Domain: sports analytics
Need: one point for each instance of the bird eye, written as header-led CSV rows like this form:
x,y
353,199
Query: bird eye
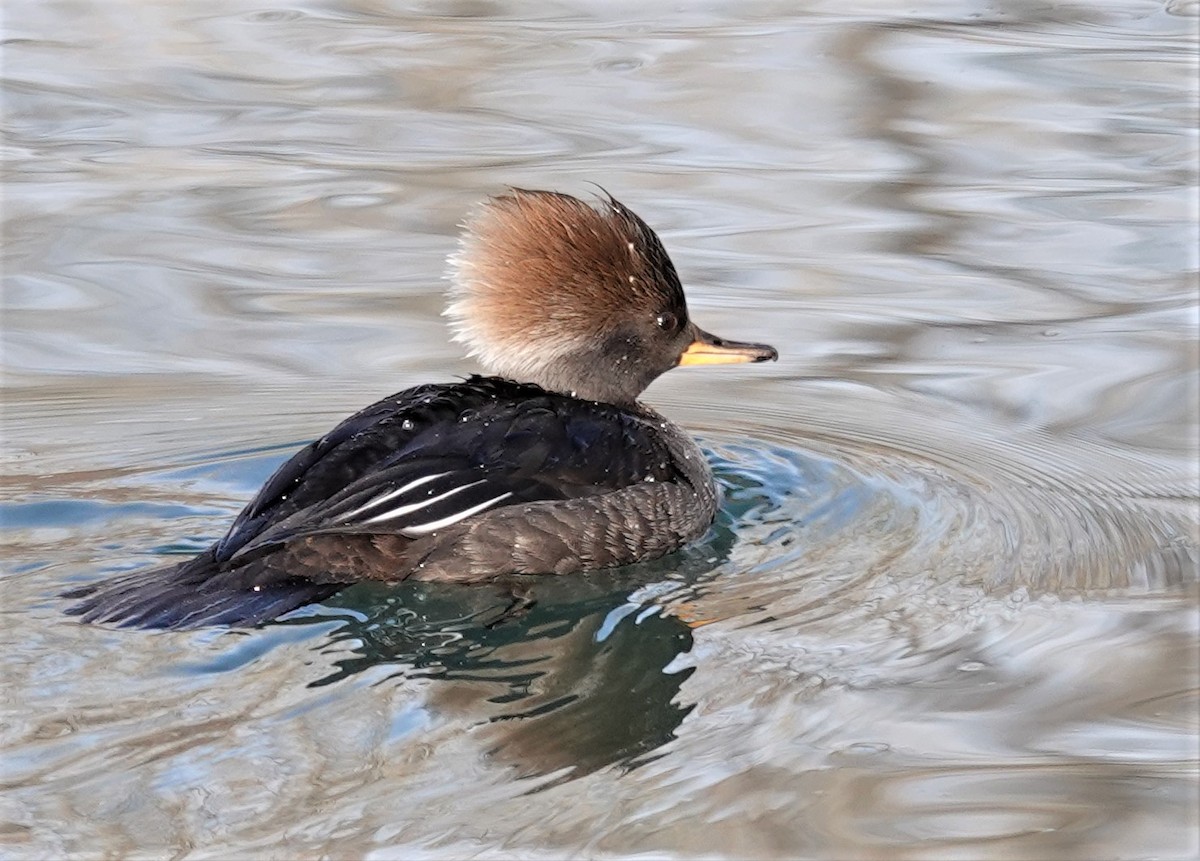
x,y
667,321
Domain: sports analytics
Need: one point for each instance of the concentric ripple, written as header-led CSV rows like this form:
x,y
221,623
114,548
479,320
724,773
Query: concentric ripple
x,y
913,527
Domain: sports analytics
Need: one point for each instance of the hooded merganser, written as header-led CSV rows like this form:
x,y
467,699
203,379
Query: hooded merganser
x,y
550,466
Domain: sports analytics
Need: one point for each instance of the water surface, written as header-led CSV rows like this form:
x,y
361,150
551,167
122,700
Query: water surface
x,y
949,608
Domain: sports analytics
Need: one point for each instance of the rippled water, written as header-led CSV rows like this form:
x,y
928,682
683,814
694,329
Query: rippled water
x,y
949,608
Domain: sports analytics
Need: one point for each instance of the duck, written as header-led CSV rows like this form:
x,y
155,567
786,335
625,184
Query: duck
x,y
549,464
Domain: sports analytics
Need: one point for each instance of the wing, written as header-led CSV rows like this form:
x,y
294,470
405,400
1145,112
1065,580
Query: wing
x,y
430,457
330,462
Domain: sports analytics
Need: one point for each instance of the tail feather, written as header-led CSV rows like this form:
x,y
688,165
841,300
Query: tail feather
x,y
193,594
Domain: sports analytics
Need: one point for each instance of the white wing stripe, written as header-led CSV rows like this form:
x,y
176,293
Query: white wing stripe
x,y
392,494
419,504
434,526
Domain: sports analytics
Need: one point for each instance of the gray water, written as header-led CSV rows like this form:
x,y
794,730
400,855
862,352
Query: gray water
x,y
949,609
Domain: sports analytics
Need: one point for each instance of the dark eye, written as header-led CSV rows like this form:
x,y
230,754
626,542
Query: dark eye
x,y
667,321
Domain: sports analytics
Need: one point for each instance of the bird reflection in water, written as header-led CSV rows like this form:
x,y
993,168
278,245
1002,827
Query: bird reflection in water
x,y
571,677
